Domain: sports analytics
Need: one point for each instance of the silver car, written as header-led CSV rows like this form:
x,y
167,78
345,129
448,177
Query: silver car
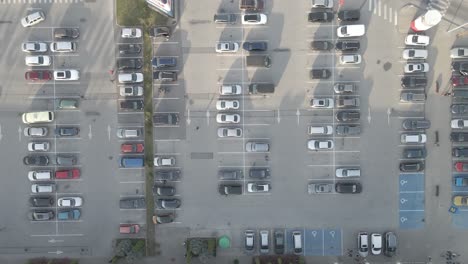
x,y
257,147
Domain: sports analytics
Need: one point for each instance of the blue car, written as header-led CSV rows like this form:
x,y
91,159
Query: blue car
x,y
461,181
69,214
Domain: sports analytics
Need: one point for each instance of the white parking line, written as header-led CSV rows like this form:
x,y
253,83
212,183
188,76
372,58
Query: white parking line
x,y
166,98
132,182
162,42
321,165
257,124
166,153
164,126
167,140
61,235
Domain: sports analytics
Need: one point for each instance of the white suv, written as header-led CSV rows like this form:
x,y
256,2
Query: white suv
x,y
230,89
164,161
33,19
350,59
254,19
417,40
66,75
348,172
37,60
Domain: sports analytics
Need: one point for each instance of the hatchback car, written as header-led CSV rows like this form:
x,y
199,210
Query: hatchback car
x,y
34,46
321,103
415,124
254,19
66,75
254,146
408,166
344,88
417,40
258,187
416,67
38,76
168,203
129,64
42,215
319,188
376,242
38,146
132,148
228,118
35,131
350,59
134,77
249,240
459,53
34,160
320,144
131,91
229,132
70,201
347,116
232,89
255,46
164,190
223,47
414,153
63,131
348,45
348,187
414,54
66,160
43,188
131,33
67,174
459,123
164,161
33,19
461,166
129,228
37,61
227,104
460,152
259,173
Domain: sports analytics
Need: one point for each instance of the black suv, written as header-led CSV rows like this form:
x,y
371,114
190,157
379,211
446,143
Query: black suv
x,y
66,33
320,16
348,45
459,137
460,66
349,15
348,187
166,119
321,45
67,131
131,105
129,64
255,46
320,74
413,82
259,173
411,166
41,201
348,116
129,48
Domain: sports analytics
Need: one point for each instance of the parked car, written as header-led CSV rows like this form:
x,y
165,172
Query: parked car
x,y
415,54
167,175
35,131
259,173
160,32
411,166
132,148
38,146
348,130
319,188
460,200
231,174
254,19
249,240
409,97
460,152
413,82
70,202
131,105
255,46
351,31
129,64
363,244
131,90
320,74
350,59
160,119
63,46
168,203
68,103
459,137
320,16
229,132
459,123
133,77
346,101
344,88
66,160
461,166
320,130
458,80
347,172
129,132
41,201
348,45
40,175
321,103
232,89
223,47
66,131
417,40
131,33
264,241
255,146
348,187
230,189
322,3
228,118
164,190
414,153
227,105
66,75
132,203
42,215
390,244
43,188
320,144
258,187
163,218
164,161
413,138
36,160
460,181
164,62
416,67
349,15
38,76
459,53
376,241
321,45
279,241
35,46
69,214
415,124
67,174
165,76
37,60
129,228
348,116
66,33
129,49
33,19
225,18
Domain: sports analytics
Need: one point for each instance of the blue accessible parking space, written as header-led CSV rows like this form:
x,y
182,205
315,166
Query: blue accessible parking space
x,y
412,201
314,245
317,242
460,219
412,219
461,179
411,182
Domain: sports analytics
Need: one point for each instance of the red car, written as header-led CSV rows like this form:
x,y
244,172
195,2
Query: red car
x,y
129,228
68,174
461,166
459,80
132,148
38,75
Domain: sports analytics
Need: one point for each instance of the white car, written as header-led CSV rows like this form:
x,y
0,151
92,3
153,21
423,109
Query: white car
x,y
35,131
160,161
228,118
413,138
33,19
66,75
376,241
253,187
229,132
63,46
34,47
227,104
347,172
42,188
322,3
38,146
350,59
314,144
322,103
459,53
131,33
254,19
459,123
134,77
417,40
414,54
222,47
131,91
70,202
37,60
230,89
416,67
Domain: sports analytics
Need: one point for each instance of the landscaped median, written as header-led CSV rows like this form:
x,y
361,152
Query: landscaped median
x,y
136,13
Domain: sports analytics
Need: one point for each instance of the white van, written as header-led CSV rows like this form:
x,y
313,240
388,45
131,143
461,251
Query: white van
x,y
42,188
348,172
320,130
264,243
351,31
363,244
297,242
40,175
38,117
63,46
376,240
33,18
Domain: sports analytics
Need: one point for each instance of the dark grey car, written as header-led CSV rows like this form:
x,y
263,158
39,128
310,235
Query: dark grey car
x,y
164,190
255,46
459,136
36,160
414,153
390,244
348,116
320,74
349,15
66,160
41,201
163,218
348,45
414,124
167,175
320,16
259,173
460,152
321,45
168,203
225,18
165,76
348,187
348,130
279,241
42,215
129,64
459,108
165,119
66,33
164,62
67,131
231,174
132,203
129,48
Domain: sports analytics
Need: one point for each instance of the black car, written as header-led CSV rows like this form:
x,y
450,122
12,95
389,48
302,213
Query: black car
x,y
168,203
167,175
459,108
320,74
348,45
348,130
348,187
67,131
255,46
163,218
411,166
164,190
229,189
165,119
165,76
164,62
279,241
160,32
132,203
414,124
36,160
131,105
349,15
414,153
66,33
348,116
390,244
259,173
460,152
460,66
129,64
129,48
41,201
231,174
321,45
459,137
320,16
413,82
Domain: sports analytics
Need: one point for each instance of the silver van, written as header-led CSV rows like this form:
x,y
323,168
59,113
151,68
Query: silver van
x,y
63,46
297,242
363,244
40,175
320,130
128,133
